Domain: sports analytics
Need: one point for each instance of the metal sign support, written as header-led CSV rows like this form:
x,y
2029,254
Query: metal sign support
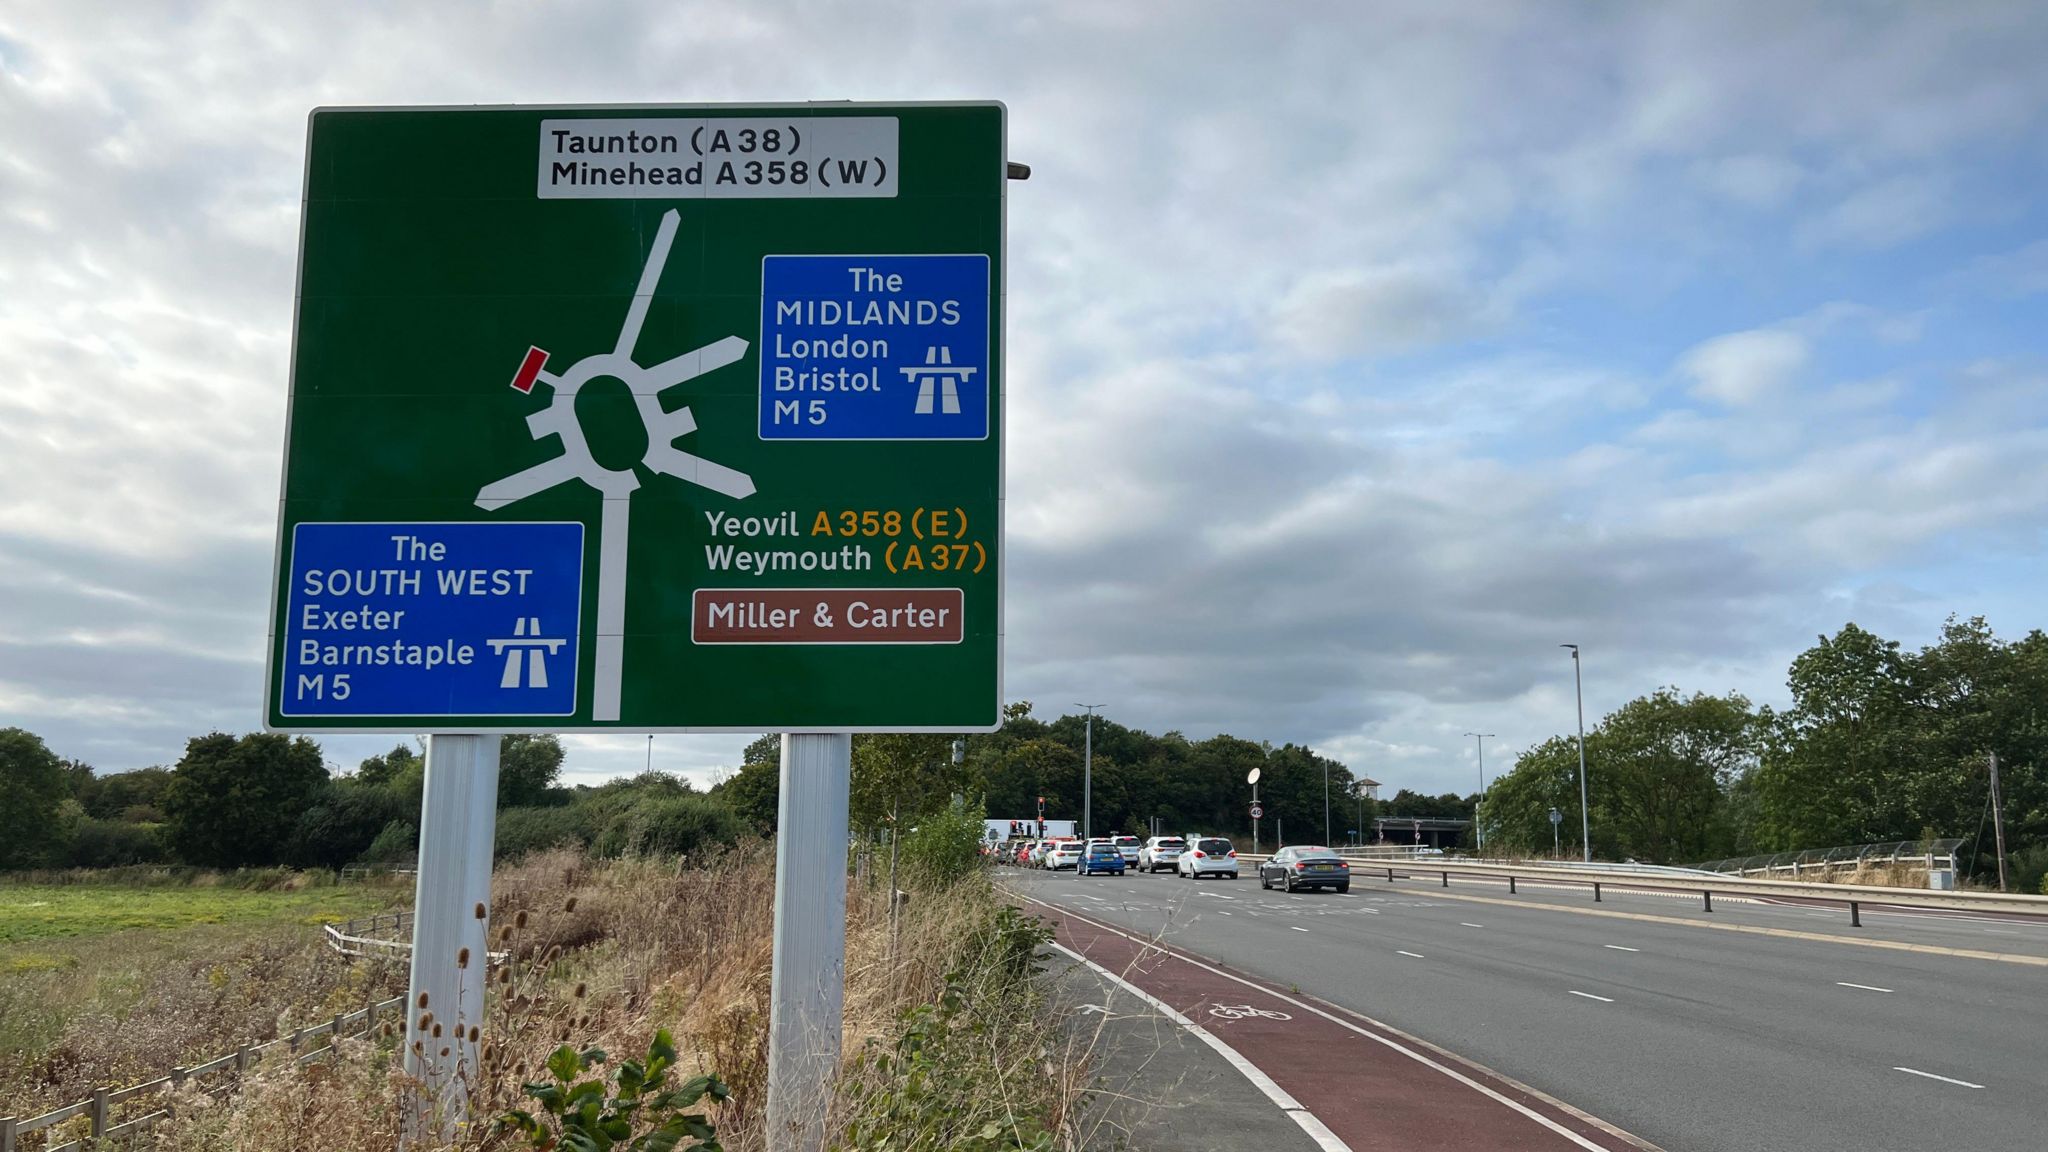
x,y
458,823
807,984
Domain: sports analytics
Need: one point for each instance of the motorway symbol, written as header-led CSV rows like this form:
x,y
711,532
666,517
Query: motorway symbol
x,y
1245,1012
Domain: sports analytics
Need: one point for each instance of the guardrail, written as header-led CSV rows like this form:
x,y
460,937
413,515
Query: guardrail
x,y
1853,897
347,938
100,1107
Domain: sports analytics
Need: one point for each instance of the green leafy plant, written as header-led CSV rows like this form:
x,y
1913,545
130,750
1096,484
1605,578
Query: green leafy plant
x,y
636,1112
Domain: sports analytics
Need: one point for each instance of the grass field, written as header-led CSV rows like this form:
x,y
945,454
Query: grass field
x,y
43,914
107,982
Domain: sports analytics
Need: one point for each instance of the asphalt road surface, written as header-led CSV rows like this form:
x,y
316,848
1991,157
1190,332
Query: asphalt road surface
x,y
1751,1027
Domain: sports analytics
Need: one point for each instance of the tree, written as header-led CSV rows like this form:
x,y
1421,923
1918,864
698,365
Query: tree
x,y
527,769
1666,764
754,794
910,773
32,785
389,766
235,802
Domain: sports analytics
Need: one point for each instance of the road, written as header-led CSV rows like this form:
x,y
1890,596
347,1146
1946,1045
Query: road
x,y
1647,1011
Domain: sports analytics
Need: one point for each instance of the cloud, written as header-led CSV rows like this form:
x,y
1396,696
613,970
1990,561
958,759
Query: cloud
x,y
1334,343
1742,368
1882,215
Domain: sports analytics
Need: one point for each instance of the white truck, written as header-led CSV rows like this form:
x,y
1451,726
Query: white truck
x,y
997,831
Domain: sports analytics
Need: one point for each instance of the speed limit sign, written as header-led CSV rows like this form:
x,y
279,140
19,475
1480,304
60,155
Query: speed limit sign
x,y
1258,810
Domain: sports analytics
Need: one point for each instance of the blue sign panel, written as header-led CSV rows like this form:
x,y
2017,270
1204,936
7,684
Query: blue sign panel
x,y
874,347
432,620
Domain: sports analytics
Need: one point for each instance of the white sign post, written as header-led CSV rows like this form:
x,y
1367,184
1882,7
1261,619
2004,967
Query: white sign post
x,y
807,984
450,941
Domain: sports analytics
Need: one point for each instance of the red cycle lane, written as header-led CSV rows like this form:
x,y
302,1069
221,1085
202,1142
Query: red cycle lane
x,y
1373,1087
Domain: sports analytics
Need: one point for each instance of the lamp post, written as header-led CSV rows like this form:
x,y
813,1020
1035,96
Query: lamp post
x,y
1088,777
650,751
1479,830
1585,819
1326,802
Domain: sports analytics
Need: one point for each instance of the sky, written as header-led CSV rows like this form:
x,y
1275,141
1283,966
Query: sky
x,y
1359,354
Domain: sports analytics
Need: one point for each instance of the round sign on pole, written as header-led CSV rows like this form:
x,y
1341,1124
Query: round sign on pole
x,y
1556,817
1252,777
1258,810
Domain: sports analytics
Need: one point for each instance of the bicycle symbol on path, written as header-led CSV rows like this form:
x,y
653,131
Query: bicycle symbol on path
x,y
1244,1012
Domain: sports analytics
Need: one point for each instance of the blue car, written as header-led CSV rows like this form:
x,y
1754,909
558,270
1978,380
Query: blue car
x,y
1102,856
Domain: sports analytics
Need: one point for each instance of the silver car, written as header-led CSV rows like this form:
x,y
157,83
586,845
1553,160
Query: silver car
x,y
1208,856
1161,852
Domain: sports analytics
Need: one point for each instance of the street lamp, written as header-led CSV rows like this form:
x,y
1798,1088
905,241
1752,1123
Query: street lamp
x,y
1088,776
1585,819
1326,801
1478,831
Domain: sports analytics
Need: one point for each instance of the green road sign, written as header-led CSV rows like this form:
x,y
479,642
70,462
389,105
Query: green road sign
x,y
653,418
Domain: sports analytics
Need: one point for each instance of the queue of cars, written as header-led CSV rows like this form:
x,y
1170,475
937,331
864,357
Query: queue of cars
x,y
1190,856
1295,868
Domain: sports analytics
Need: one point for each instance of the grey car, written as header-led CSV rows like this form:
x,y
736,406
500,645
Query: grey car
x,y
1305,866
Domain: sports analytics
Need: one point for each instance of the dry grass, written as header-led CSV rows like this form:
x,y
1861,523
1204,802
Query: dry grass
x,y
92,1008
609,951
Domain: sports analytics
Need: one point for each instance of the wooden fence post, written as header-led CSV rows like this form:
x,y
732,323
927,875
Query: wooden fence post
x,y
99,1113
334,1041
7,1133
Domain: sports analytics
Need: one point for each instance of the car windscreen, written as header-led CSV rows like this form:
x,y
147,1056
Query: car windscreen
x,y
1214,847
1315,854
1102,850
1176,845
1127,841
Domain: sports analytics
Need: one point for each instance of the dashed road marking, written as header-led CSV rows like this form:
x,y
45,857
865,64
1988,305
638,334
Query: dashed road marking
x,y
1865,987
1294,928
1932,1076
1469,924
1590,996
1417,955
1621,948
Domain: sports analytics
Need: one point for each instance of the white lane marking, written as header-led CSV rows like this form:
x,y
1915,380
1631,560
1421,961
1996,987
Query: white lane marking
x,y
1932,1076
1865,987
1589,996
1316,1129
1403,1049
1374,911
1621,948
1215,895
1092,896
1221,912
1292,928
1417,955
1465,924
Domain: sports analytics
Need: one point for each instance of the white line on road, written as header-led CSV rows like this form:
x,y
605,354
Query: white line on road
x,y
1385,1042
1621,948
1293,928
1589,996
1221,912
1865,987
1417,955
1215,895
1316,1129
1932,1076
1465,924
1374,911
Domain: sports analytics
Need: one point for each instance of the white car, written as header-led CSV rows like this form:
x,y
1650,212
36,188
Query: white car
x,y
1208,856
1161,852
1128,847
1065,854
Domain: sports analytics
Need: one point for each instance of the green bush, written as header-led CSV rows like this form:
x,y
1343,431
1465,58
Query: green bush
x,y
638,1112
673,823
524,830
113,844
944,846
398,843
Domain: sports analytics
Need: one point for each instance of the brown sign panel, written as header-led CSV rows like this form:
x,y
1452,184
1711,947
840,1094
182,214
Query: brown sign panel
x,y
827,616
